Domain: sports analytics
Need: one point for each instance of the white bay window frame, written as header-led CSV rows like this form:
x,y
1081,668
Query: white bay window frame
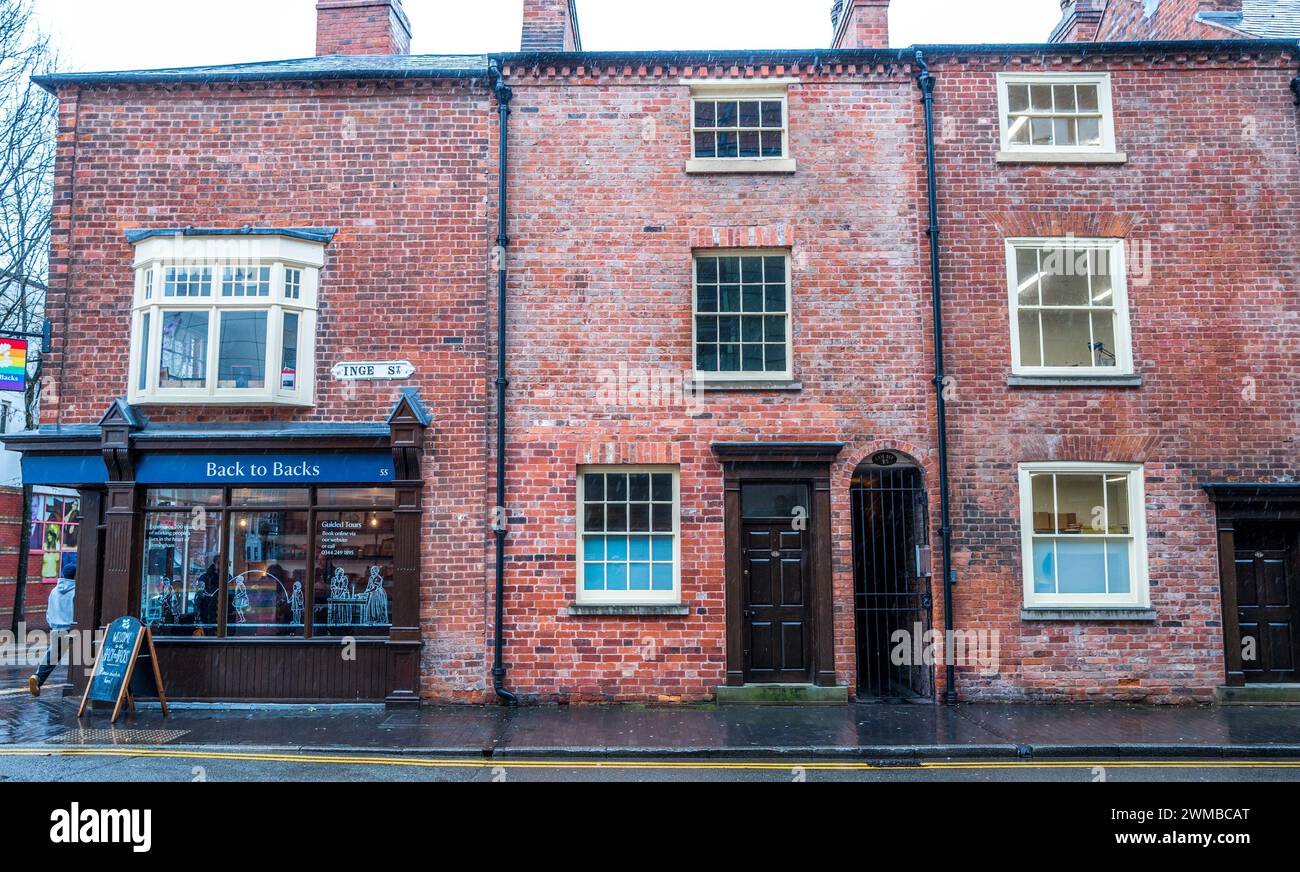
x,y
155,255
1138,595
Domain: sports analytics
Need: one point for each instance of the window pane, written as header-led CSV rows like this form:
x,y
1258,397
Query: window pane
x,y
242,354
774,358
184,357
778,500
1117,520
1018,98
1018,130
183,497
1040,131
728,358
728,270
289,353
616,517
706,270
354,574
707,298
594,576
1117,566
661,518
773,114
1030,349
749,113
593,486
1090,131
727,114
774,298
616,576
751,329
706,145
751,298
1040,97
729,328
593,517
774,269
1103,339
266,574
1044,502
1027,276
355,496
1064,277
180,581
1044,567
774,328
729,298
1087,97
706,358
1065,132
1079,502
661,487
705,113
144,352
1063,98
293,284
706,328
1082,566
728,145
638,487
615,487
1099,265
1066,338
270,496
751,358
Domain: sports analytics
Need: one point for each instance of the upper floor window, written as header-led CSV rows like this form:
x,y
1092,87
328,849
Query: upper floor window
x,y
742,315
1069,307
1083,534
225,322
740,126
1056,113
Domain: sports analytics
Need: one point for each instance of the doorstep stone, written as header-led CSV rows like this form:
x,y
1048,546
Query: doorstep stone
x,y
782,694
1258,694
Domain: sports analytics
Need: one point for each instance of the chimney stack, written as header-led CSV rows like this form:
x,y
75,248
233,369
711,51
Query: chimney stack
x,y
362,27
551,25
860,23
1080,22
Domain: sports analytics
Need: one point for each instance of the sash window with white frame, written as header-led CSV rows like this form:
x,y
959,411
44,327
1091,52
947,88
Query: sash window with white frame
x,y
1083,534
1069,307
740,125
1056,113
628,535
225,320
742,320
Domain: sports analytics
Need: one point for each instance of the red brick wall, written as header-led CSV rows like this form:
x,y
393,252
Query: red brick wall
x,y
548,25
403,170
603,223
1173,19
1205,202
362,27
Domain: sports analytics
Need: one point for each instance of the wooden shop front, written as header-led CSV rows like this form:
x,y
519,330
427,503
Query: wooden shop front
x,y
277,563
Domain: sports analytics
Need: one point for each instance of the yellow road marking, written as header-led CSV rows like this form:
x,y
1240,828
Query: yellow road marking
x,y
474,763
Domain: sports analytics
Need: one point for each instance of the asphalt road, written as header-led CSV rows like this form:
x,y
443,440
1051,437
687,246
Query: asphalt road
x,y
182,765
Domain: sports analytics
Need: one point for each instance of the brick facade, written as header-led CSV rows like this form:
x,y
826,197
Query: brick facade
x,y
1124,20
603,221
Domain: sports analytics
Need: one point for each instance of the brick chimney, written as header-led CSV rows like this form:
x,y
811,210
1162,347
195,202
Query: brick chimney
x,y
1080,21
860,23
551,25
362,27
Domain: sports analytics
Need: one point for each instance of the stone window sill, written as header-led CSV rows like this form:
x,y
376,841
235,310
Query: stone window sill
x,y
1063,157
705,165
743,385
630,611
1088,614
1074,381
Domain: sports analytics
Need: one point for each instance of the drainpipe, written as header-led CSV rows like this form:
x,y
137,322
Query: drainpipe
x,y
925,82
503,95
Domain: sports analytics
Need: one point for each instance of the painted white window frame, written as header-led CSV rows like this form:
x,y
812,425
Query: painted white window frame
x,y
1119,284
1139,588
742,89
1105,107
700,375
628,597
154,255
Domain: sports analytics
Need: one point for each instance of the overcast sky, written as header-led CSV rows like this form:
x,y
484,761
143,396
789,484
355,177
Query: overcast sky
x,y
135,34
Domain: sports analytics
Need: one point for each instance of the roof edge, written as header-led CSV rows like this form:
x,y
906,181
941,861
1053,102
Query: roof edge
x,y
323,235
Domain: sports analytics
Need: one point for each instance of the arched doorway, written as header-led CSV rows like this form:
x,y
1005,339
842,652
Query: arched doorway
x,y
891,574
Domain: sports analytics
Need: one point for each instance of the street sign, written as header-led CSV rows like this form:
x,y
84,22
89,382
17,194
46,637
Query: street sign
x,y
376,369
13,364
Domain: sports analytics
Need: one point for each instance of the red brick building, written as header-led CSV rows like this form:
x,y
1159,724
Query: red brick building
x,y
723,465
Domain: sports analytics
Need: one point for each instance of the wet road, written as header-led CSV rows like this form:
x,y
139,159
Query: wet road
x,y
123,765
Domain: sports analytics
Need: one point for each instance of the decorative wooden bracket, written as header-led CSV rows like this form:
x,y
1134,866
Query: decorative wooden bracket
x,y
407,423
116,427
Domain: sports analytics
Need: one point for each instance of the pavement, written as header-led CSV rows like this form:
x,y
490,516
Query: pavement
x,y
880,732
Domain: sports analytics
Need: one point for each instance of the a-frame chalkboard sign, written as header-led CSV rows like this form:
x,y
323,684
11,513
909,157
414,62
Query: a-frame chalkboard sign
x,y
114,679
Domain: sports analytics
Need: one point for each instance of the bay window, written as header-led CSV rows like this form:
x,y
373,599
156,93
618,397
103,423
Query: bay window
x,y
225,324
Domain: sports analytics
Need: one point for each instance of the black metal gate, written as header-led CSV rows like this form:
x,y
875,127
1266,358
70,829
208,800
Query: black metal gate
x,y
891,580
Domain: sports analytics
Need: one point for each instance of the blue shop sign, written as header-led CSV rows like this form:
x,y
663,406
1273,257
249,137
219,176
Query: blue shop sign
x,y
367,467
374,467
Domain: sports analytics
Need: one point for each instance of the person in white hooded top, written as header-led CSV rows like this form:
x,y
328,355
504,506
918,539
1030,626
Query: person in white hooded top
x,y
58,613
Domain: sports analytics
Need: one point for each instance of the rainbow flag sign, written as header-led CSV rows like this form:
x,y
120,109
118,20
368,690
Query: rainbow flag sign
x,y
13,364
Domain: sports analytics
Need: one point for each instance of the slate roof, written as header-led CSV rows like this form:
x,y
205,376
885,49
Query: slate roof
x,y
1264,19
328,67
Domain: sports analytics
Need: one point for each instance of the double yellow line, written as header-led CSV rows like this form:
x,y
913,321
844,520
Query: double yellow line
x,y
475,763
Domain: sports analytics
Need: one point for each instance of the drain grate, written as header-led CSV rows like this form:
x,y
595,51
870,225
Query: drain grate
x,y
118,737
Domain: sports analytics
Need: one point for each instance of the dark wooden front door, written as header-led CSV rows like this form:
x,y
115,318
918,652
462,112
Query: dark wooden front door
x,y
1268,609
777,624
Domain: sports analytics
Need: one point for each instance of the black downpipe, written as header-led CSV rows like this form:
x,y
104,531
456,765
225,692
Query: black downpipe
x,y
925,82
499,514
